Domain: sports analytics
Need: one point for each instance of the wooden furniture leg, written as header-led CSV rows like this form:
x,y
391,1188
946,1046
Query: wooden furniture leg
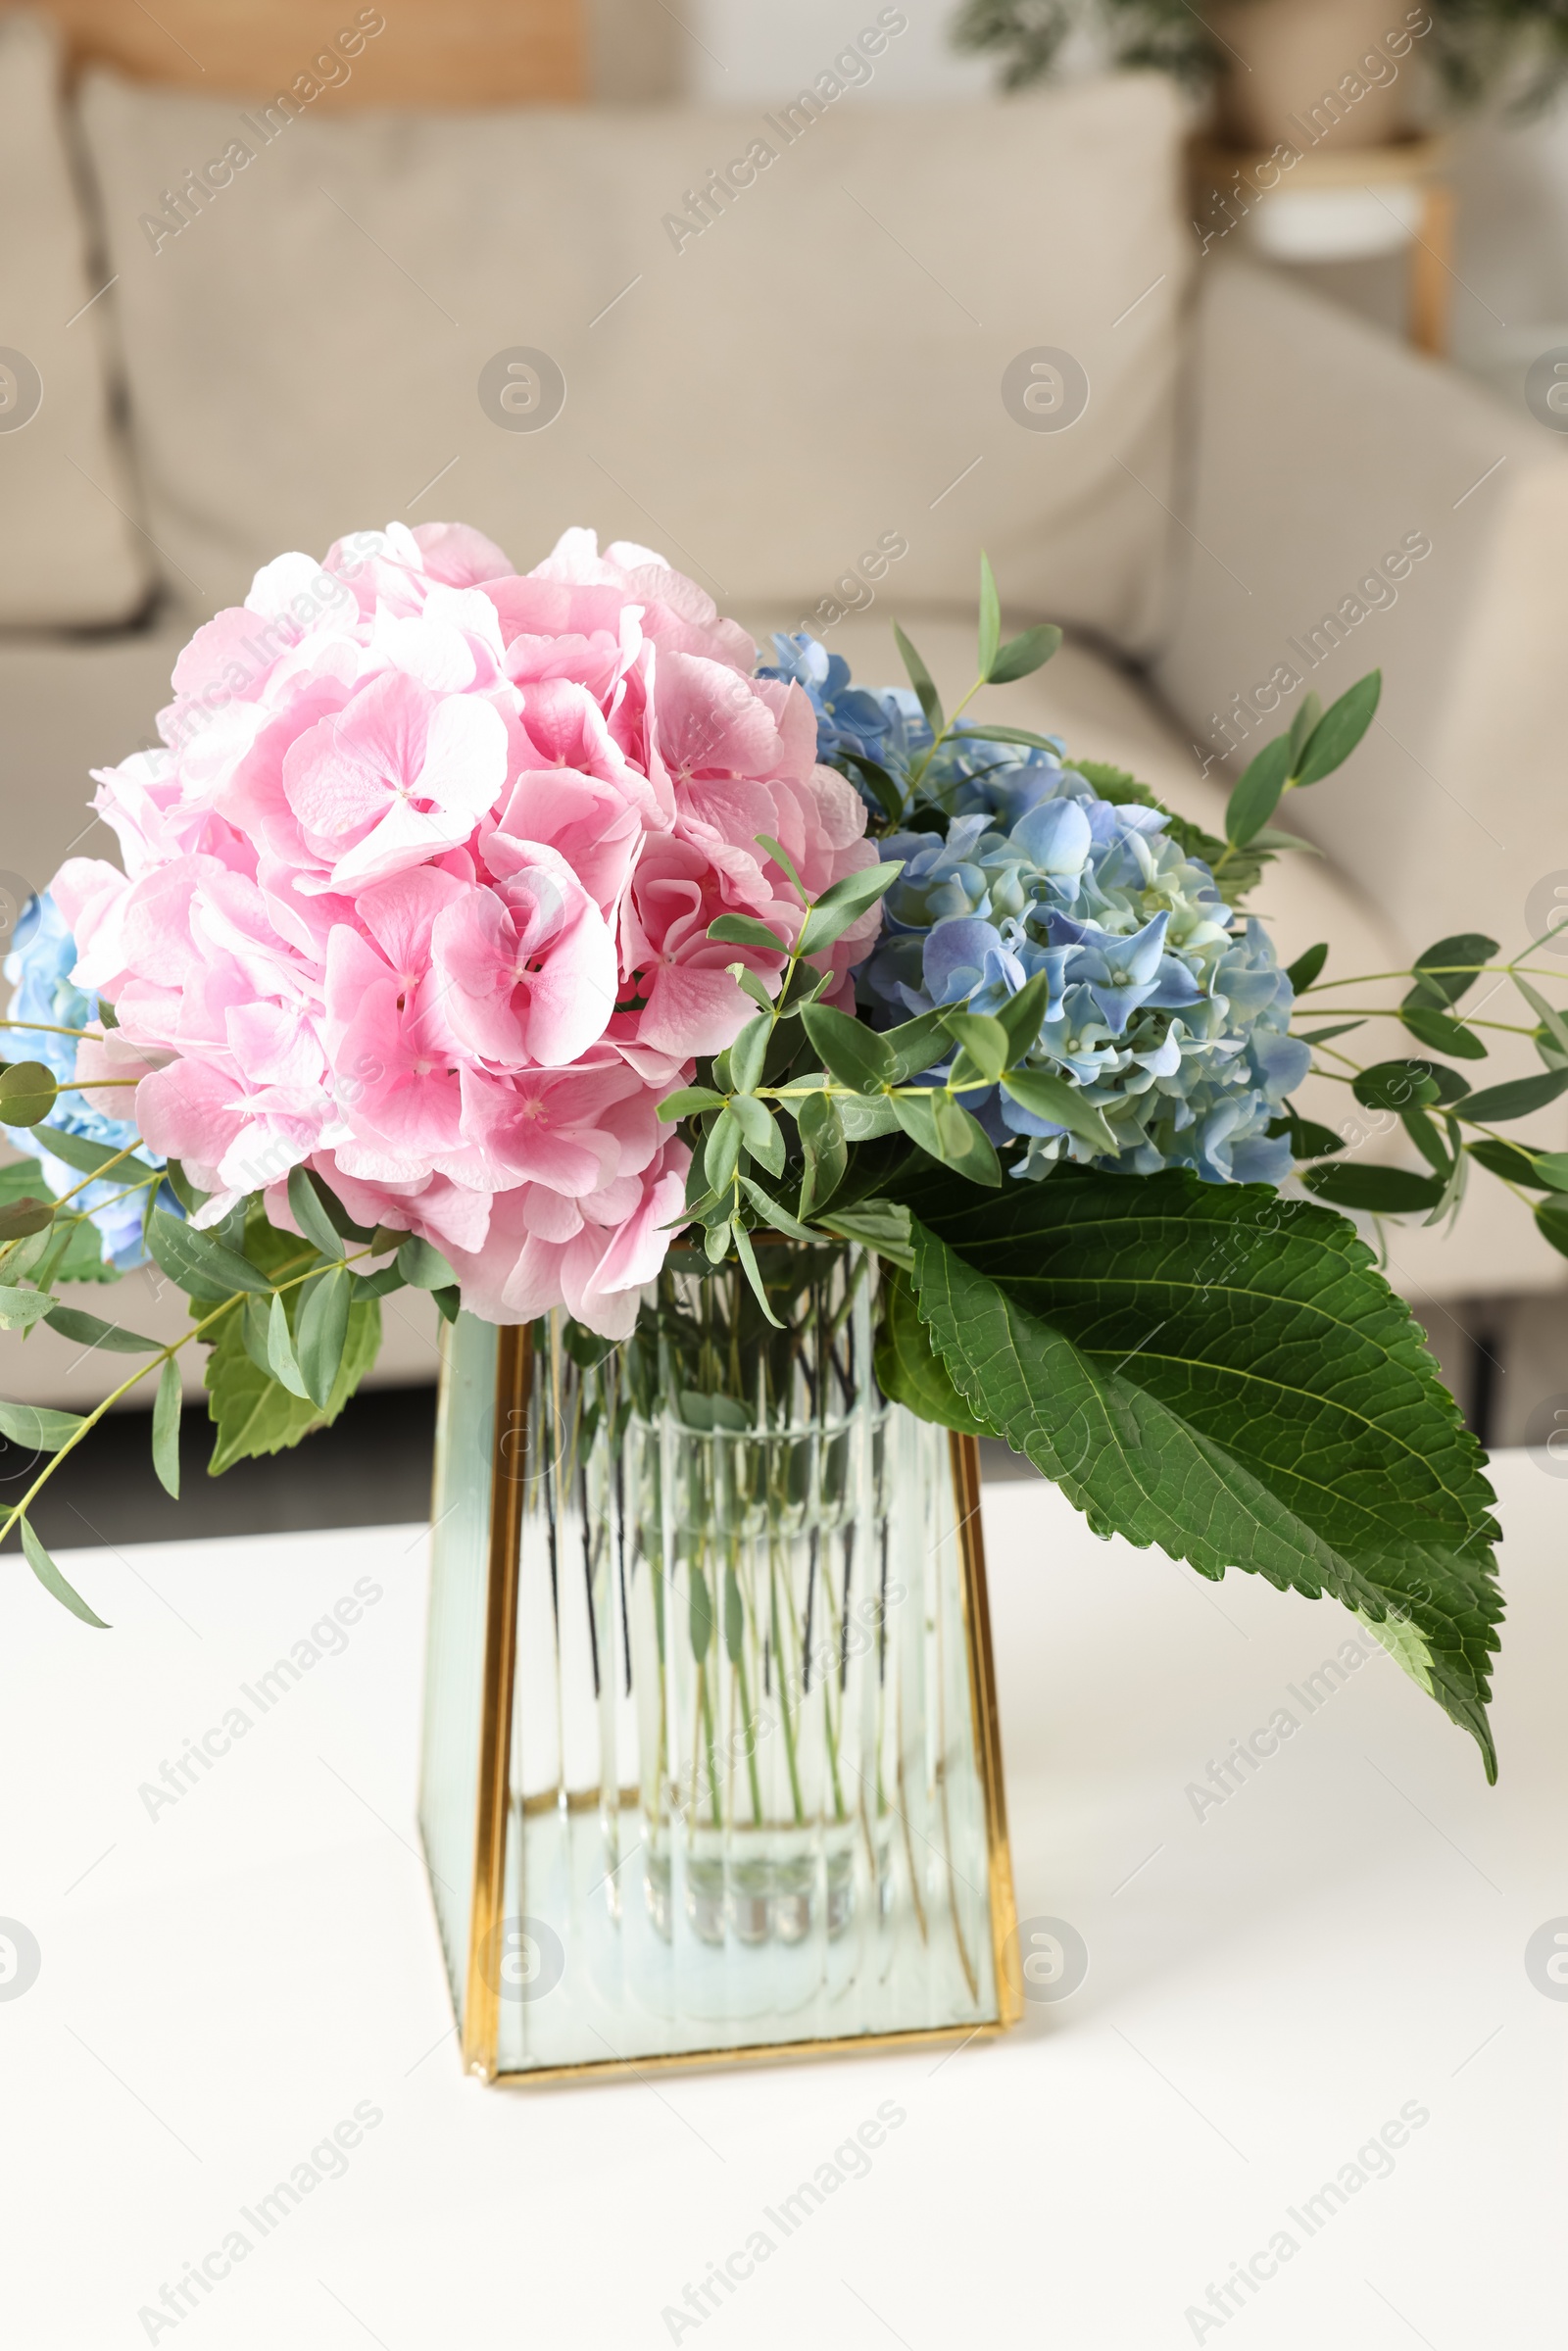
x,y
1431,272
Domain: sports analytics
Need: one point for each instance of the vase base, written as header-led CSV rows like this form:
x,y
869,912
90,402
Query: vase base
x,y
612,1949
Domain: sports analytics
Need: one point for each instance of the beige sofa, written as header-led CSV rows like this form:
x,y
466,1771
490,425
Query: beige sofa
x,y
788,347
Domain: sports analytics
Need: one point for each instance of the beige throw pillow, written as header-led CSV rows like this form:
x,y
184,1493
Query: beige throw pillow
x,y
785,345
72,556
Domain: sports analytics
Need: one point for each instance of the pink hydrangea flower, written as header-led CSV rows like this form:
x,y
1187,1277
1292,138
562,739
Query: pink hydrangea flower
x,y
416,894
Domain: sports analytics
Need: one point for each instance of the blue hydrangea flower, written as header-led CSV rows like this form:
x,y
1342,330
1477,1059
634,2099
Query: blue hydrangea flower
x,y
40,968
1168,1014
887,727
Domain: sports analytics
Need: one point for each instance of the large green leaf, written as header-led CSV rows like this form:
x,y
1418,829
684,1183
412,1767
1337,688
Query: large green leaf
x,y
251,1412
910,1373
1225,1374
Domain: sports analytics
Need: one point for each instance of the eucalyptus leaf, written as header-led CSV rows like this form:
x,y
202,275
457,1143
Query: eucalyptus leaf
x,y
20,1309
921,680
1310,1140
823,1149
744,930
747,980
866,1117
85,1330
1395,1085
1381,1190
1340,729
53,1582
985,1041
845,903
786,866
1436,1029
1428,1142
199,1265
1305,969
760,1131
1022,1014
1025,653
252,1326
322,1329
687,1101
1308,712
722,1151
1543,1171
37,1428
1340,1028
965,1145
716,1241
379,1284
776,1214
1275,839
251,1412
28,1091
1551,1219
1552,1021
734,1618
990,632
1517,1099
882,1225
279,1357
855,1054
422,1265
82,1153
1045,1096
23,1257
747,1054
889,797
1258,794
748,1258
699,1615
165,1428
20,1217
969,731
917,1046
1448,969
917,1115
309,1215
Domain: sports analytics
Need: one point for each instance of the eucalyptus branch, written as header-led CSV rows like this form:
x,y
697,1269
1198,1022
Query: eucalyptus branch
x,y
948,728
48,1028
1365,979
1462,1020
155,1362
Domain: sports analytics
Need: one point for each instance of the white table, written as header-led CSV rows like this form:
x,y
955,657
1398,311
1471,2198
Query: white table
x,y
227,1978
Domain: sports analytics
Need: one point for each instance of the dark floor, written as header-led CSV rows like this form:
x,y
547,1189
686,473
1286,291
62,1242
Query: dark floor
x,y
372,1468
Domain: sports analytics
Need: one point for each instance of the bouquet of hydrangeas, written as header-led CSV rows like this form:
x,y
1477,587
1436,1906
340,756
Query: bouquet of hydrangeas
x,y
485,932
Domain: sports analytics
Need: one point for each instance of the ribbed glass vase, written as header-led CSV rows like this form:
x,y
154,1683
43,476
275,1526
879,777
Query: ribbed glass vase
x,y
710,1755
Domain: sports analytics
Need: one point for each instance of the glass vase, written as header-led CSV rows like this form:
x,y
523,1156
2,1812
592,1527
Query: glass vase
x,y
711,1758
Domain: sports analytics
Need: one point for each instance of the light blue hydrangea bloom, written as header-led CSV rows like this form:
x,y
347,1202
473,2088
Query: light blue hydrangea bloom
x,y
1170,1014
38,970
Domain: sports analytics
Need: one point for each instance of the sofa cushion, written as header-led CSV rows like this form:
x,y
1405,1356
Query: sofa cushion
x,y
320,334
73,557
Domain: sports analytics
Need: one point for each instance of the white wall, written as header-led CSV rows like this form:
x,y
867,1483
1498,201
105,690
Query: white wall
x,y
1510,298
768,49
